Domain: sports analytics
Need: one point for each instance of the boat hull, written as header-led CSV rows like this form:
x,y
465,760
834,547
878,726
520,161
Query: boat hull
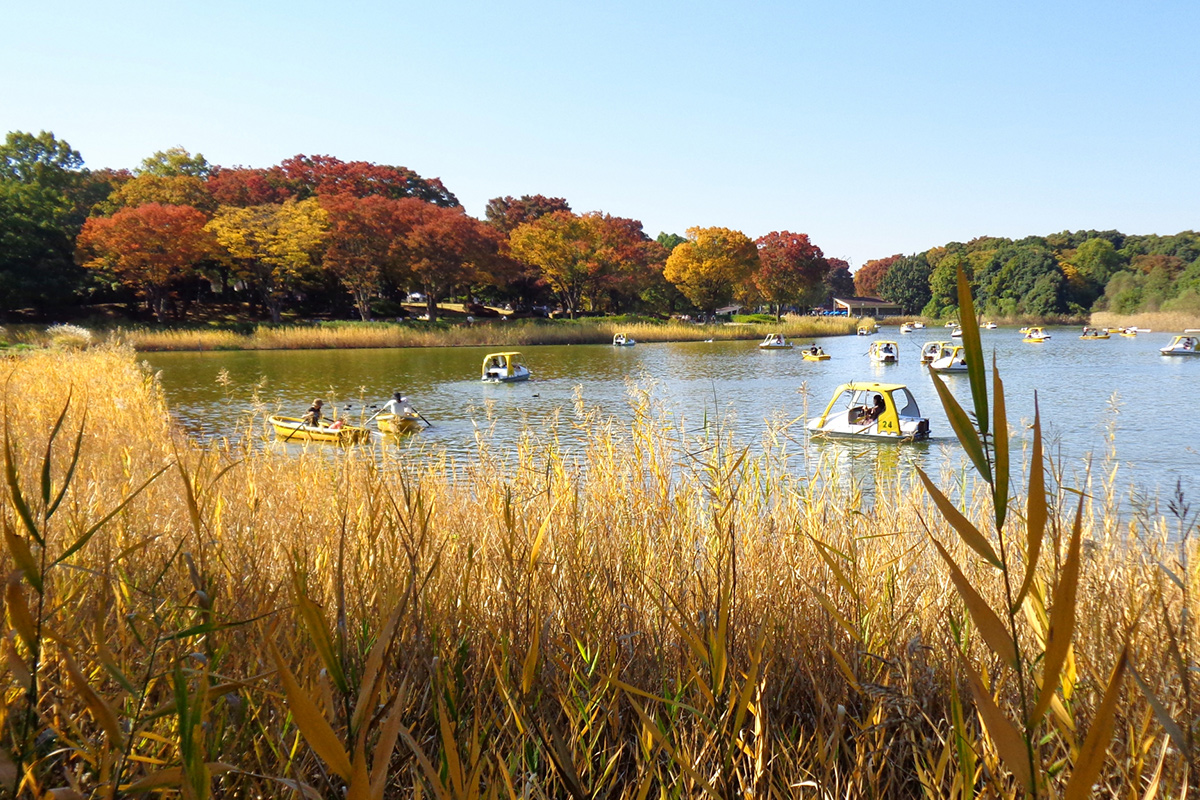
x,y
293,429
820,357
397,424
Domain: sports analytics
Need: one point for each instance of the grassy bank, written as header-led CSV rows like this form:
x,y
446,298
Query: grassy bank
x,y
1157,321
494,333
662,614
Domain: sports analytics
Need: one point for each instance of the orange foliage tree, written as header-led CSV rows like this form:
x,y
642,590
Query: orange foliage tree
x,y
870,274
148,248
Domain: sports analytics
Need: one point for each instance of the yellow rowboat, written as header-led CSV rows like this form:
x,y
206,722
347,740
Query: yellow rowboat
x,y
815,353
399,424
1094,333
293,429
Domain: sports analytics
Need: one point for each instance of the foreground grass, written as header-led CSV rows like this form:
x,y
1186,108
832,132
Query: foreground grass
x,y
666,614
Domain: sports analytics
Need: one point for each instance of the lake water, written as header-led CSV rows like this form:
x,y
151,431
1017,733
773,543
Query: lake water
x,y
1086,389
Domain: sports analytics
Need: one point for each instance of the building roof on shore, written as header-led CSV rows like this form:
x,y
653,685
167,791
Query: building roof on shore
x,y
865,301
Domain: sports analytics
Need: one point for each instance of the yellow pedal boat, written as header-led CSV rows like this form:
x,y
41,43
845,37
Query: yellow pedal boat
x,y
293,429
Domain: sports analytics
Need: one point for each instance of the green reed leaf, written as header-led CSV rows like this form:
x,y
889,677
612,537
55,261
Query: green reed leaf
x,y
999,446
972,350
965,432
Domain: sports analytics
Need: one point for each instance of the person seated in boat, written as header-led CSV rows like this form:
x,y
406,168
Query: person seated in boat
x,y
313,415
872,413
398,406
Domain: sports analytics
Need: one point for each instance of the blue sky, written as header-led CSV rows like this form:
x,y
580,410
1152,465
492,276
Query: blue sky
x,y
874,127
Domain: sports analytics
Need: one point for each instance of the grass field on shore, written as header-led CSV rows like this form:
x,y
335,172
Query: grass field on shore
x,y
664,611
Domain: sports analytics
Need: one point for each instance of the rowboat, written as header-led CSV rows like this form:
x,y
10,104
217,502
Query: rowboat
x,y
774,341
621,340
398,424
884,352
879,411
294,429
1094,333
504,368
815,353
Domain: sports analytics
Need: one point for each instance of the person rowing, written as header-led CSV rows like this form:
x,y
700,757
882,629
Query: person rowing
x,y
313,415
398,406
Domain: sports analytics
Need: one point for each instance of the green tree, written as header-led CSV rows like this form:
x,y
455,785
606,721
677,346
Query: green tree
x,y
38,220
174,162
907,283
711,265
40,160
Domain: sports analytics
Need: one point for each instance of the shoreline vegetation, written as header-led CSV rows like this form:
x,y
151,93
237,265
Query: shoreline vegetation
x,y
664,610
494,333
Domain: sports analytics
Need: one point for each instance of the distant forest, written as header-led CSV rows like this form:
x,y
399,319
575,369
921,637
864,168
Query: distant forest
x,y
1062,273
180,238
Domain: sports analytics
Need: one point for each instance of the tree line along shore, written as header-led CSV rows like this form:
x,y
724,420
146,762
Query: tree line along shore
x,y
179,241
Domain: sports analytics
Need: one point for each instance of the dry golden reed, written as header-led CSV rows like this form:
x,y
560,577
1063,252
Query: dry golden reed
x,y
664,613
495,333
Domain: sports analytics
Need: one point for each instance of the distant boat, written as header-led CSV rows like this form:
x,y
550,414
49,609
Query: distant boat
x,y
1035,335
951,359
884,352
1182,346
504,368
621,340
775,341
931,351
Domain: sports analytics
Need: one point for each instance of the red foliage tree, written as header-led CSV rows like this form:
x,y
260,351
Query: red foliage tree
x,y
326,175
148,248
869,275
245,187
791,271
363,236
506,213
440,248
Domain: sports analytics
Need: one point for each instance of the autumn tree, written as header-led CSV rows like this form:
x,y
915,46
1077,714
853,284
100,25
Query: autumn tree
x,y
507,213
576,255
791,269
440,248
175,162
149,248
326,175
838,280
167,190
868,276
364,233
711,265
244,186
273,247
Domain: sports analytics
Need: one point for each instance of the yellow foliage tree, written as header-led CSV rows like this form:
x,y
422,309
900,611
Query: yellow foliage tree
x,y
167,190
710,266
272,246
568,250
